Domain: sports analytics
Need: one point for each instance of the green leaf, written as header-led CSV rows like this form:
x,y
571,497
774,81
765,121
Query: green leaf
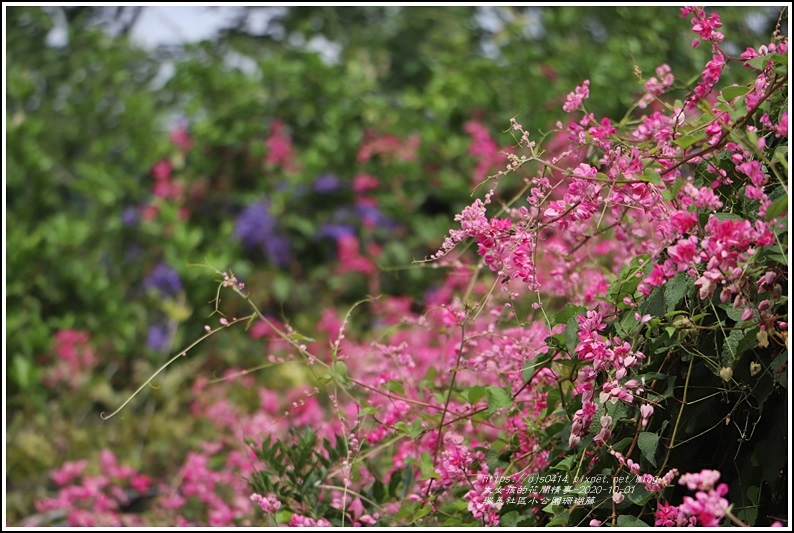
x,y
675,289
730,347
571,334
627,280
416,429
494,460
509,519
559,520
648,442
777,208
22,372
281,287
298,337
639,496
752,494
394,386
625,520
778,258
688,140
427,468
565,465
556,341
781,155
339,372
748,515
407,510
779,367
567,313
761,61
498,398
378,491
474,394
529,371
729,93
651,176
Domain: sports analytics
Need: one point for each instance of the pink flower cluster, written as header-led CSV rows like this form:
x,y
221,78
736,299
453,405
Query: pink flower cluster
x,y
707,508
484,149
574,100
388,147
350,258
704,26
611,358
219,493
781,128
180,137
164,187
279,147
482,503
268,504
657,85
75,358
98,500
725,249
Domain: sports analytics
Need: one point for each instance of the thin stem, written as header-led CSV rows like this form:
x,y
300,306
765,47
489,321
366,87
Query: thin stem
x,y
680,413
446,403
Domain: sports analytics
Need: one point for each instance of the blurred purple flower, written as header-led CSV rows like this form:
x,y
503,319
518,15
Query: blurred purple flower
x,y
326,184
129,217
164,279
278,249
373,217
255,225
159,338
256,228
335,231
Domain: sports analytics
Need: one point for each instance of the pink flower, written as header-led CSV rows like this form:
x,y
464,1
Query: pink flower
x,y
180,137
752,169
682,221
279,147
685,253
305,521
364,182
575,99
269,504
705,27
668,515
484,148
656,85
69,471
161,170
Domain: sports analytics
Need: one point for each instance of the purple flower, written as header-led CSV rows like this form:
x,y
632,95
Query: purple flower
x,y
326,184
256,228
335,231
278,249
159,338
255,225
129,217
164,280
373,217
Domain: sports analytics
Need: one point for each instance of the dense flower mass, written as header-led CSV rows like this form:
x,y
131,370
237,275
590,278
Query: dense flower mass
x,y
611,314
707,508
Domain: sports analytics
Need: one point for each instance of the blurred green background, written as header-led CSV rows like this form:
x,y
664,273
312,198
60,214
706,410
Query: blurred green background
x,y
126,164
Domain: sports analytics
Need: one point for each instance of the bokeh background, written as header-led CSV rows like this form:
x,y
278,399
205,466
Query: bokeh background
x,y
317,152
